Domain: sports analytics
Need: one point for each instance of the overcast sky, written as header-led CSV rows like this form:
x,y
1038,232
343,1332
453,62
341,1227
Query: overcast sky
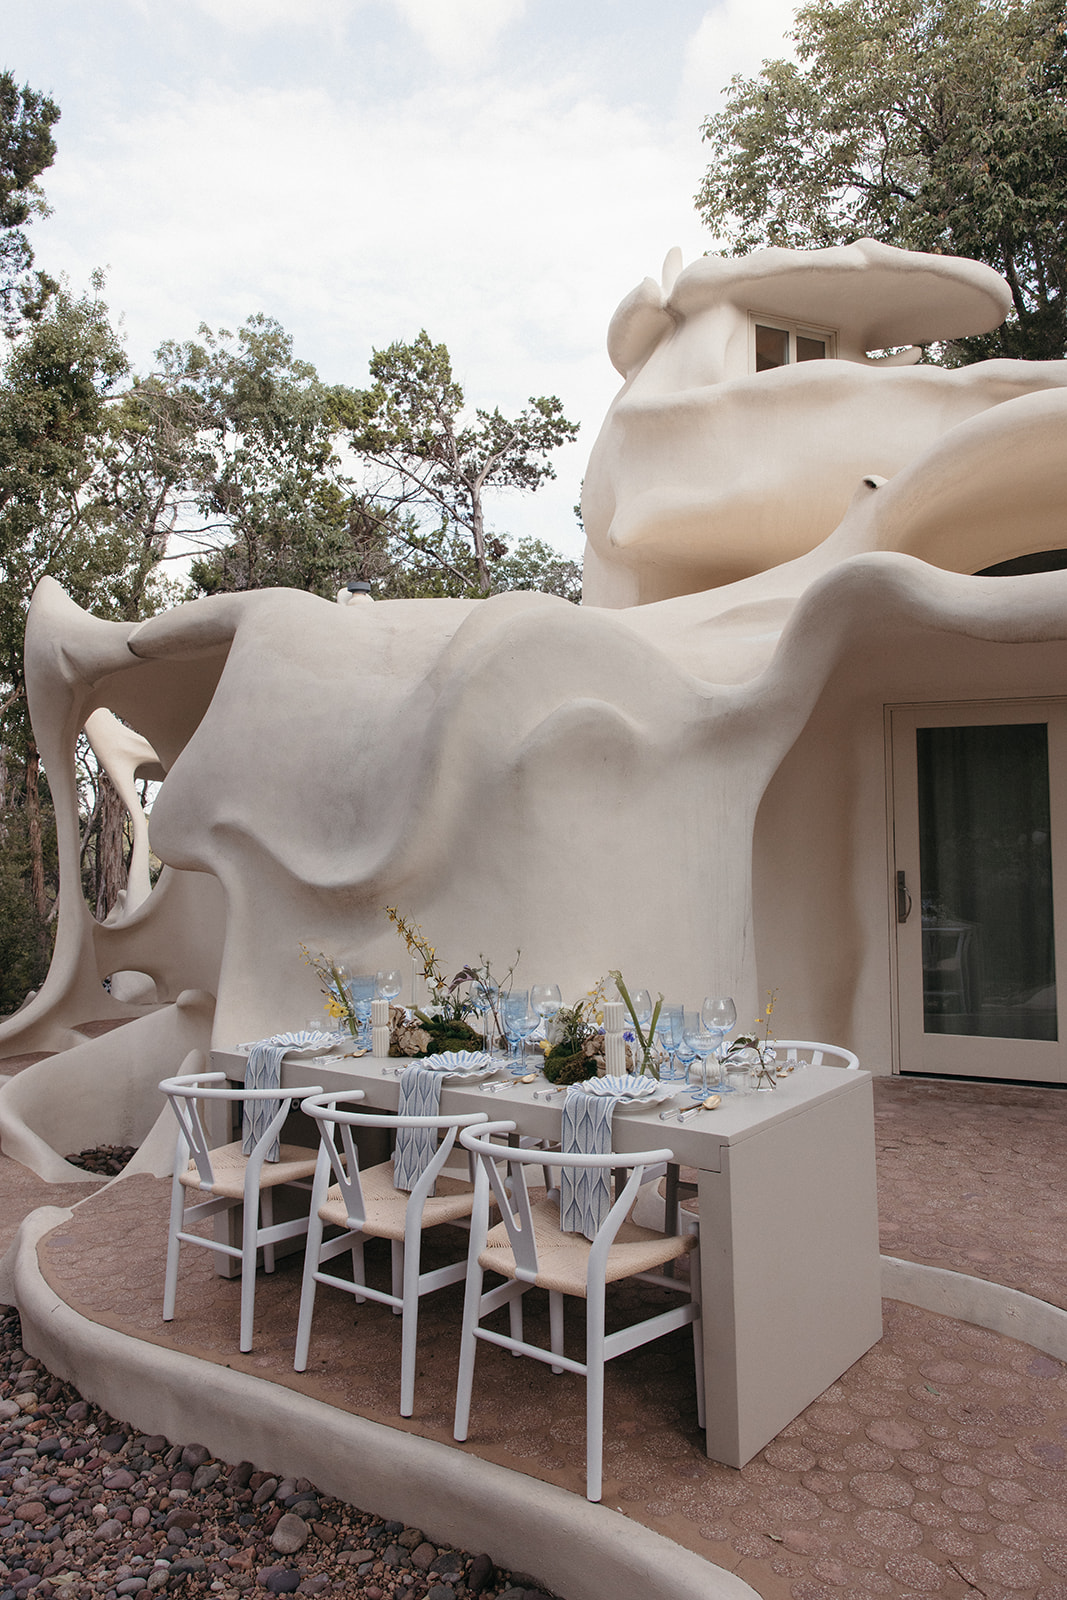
x,y
500,172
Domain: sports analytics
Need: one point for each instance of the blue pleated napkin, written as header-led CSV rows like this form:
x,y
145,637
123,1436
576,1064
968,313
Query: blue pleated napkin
x,y
264,1071
420,1096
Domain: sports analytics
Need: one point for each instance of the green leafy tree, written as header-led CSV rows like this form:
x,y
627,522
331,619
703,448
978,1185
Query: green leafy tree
x,y
256,488
935,125
433,461
532,564
26,149
54,521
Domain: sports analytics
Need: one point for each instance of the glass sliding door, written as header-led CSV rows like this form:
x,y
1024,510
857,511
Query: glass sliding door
x,y
975,838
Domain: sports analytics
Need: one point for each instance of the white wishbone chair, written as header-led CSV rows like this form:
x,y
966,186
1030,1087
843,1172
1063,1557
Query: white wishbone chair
x,y
231,1179
528,1248
364,1203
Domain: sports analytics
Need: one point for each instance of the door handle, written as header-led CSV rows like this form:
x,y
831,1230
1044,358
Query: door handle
x,y
903,898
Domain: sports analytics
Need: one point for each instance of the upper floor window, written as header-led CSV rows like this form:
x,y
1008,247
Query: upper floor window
x,y
780,344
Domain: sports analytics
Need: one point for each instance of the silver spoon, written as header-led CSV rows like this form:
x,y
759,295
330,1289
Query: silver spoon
x,y
709,1104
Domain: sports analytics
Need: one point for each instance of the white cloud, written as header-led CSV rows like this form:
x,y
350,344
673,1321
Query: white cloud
x,y
261,16
460,33
736,36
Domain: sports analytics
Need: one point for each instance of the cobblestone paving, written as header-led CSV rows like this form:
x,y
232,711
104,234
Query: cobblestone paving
x,y
973,1177
936,1465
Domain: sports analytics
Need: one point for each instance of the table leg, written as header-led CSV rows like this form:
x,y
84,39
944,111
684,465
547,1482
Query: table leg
x,y
791,1270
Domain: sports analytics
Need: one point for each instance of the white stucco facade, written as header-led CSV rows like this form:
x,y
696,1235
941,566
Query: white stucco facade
x,y
688,777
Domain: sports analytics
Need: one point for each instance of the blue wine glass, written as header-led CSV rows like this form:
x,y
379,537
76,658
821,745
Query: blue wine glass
x,y
361,989
669,1037
703,1042
519,1022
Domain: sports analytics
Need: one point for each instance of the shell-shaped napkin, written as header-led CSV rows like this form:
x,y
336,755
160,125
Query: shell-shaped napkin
x,y
630,1087
458,1063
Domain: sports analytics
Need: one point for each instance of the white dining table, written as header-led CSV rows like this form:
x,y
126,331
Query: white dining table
x,y
788,1224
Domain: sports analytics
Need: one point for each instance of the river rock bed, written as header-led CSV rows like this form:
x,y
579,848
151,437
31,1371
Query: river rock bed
x,y
104,1160
90,1509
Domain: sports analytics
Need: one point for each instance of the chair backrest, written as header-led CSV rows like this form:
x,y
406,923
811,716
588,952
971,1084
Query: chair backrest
x,y
339,1154
186,1094
501,1173
816,1055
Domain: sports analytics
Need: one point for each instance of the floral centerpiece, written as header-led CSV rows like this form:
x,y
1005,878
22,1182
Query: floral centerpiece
x,y
332,978
575,1040
444,1025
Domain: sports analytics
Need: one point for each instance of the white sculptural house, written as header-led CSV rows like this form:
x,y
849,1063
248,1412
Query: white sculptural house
x,y
749,761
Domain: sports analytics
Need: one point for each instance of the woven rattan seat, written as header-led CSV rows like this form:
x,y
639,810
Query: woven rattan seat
x,y
563,1258
387,1206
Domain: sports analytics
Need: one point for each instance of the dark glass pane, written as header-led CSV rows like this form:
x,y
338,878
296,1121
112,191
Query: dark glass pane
x,y
1020,566
986,874
772,348
809,349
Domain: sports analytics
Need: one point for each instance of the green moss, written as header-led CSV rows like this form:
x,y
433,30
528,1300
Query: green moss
x,y
563,1068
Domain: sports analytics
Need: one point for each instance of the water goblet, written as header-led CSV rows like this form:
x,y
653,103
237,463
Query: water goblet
x,y
519,1022
703,1042
361,989
669,1037
683,1057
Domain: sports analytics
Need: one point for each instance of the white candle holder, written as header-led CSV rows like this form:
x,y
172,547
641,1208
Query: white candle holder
x,y
379,1028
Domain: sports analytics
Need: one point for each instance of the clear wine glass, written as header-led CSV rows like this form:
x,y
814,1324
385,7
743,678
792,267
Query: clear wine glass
x,y
703,1042
719,1012
669,1037
388,983
642,1004
718,1016
519,1022
485,997
546,1001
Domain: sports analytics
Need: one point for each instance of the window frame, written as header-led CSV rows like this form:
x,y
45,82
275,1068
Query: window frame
x,y
793,330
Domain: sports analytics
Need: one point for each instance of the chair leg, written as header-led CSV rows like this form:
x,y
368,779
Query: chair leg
x,y
594,1393
397,1285
307,1291
409,1331
359,1271
266,1212
468,1349
555,1321
698,1333
515,1320
170,1281
249,1235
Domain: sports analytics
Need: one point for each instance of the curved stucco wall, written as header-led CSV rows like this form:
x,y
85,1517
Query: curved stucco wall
x,y
706,471
691,790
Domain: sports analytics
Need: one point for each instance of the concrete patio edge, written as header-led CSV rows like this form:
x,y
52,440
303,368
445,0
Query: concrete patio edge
x,y
976,1300
583,1551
